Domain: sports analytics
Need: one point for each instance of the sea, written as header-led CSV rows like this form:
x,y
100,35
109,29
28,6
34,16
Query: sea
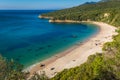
x,y
27,39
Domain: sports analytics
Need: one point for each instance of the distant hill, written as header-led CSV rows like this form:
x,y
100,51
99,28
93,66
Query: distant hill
x,y
90,3
106,11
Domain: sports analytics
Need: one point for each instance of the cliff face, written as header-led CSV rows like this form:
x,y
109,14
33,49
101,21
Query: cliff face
x,y
45,17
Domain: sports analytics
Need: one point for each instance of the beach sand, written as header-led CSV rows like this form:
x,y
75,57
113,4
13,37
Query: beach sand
x,y
78,54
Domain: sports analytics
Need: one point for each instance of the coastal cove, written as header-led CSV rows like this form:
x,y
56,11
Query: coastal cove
x,y
29,40
77,54
60,40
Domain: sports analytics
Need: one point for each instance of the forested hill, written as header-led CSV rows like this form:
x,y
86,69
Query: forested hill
x,y
101,66
105,66
106,11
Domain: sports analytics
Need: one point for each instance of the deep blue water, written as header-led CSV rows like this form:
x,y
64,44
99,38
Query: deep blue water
x,y
27,39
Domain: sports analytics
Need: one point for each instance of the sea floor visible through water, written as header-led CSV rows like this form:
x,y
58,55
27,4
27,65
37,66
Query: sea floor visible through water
x,y
27,39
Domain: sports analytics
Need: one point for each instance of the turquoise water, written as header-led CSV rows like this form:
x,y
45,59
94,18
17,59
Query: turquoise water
x,y
27,39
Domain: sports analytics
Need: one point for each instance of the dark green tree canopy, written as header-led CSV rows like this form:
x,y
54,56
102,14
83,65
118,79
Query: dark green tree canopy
x,y
107,11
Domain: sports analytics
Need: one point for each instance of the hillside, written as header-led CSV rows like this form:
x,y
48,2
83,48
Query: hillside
x,y
105,11
102,66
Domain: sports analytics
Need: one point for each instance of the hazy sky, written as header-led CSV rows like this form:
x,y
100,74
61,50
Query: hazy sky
x,y
40,4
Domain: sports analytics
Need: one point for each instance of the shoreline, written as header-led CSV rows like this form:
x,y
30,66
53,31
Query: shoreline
x,y
58,55
47,61
77,54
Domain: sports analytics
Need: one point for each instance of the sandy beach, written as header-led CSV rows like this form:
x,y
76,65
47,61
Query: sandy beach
x,y
78,54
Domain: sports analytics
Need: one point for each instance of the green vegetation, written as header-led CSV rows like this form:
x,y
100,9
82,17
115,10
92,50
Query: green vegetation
x,y
102,66
39,77
107,11
105,66
10,70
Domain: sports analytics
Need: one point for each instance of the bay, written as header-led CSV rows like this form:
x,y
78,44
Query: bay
x,y
27,39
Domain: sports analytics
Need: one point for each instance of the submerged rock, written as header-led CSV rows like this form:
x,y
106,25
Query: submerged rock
x,y
36,55
20,56
64,40
49,46
29,49
17,59
40,48
74,36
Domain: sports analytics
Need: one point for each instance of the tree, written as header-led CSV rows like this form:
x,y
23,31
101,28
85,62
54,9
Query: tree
x,y
10,70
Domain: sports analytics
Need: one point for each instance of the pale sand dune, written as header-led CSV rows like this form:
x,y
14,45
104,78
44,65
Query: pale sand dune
x,y
77,54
